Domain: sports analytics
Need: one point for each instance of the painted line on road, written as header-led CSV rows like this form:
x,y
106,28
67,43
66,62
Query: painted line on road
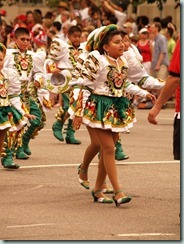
x,y
147,234
51,129
31,189
31,225
95,164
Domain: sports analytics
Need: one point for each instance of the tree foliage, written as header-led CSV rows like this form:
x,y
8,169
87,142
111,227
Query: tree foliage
x,y
159,3
52,3
9,2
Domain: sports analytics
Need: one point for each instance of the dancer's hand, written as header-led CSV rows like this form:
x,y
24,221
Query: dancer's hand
x,y
151,97
77,121
30,116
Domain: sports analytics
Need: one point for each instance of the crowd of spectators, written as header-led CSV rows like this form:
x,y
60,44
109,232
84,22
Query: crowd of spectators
x,y
85,14
88,16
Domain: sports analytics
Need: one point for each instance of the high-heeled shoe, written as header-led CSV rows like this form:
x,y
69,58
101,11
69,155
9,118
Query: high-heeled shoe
x,y
121,200
106,189
84,183
101,199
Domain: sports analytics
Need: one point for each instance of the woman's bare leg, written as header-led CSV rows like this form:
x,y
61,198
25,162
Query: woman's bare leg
x,y
101,174
107,162
91,151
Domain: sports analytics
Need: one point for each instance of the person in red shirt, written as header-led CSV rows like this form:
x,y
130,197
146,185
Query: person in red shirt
x,y
172,85
145,47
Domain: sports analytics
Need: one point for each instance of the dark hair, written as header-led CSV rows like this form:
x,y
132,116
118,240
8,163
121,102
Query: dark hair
x,y
48,15
123,4
38,11
21,31
73,29
169,18
107,39
123,33
142,21
158,26
156,19
57,25
164,22
29,12
170,31
95,10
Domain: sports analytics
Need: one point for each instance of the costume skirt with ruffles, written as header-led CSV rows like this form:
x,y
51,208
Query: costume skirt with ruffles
x,y
112,113
11,118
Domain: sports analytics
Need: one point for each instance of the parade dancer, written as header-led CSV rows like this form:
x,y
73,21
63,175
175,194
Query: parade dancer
x,y
103,104
11,120
63,56
22,69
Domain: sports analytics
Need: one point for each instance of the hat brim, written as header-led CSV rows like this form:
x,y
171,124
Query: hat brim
x,y
103,33
58,83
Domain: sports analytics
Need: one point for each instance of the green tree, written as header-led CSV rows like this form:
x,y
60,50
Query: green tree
x,y
9,2
54,3
158,2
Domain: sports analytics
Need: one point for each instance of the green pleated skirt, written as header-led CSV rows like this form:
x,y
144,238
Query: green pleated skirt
x,y
112,113
11,118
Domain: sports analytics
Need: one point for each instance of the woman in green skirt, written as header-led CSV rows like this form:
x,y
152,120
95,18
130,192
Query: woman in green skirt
x,y
102,105
10,118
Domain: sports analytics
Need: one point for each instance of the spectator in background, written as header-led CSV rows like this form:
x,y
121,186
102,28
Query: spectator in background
x,y
8,35
132,18
134,39
164,23
108,18
128,29
117,11
49,15
96,18
63,6
3,14
4,17
145,47
20,21
38,11
157,19
2,29
42,36
84,36
172,85
30,20
142,21
75,17
56,29
65,17
84,11
3,32
160,60
170,41
64,31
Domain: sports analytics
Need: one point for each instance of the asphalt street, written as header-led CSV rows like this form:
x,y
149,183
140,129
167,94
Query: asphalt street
x,y
43,199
